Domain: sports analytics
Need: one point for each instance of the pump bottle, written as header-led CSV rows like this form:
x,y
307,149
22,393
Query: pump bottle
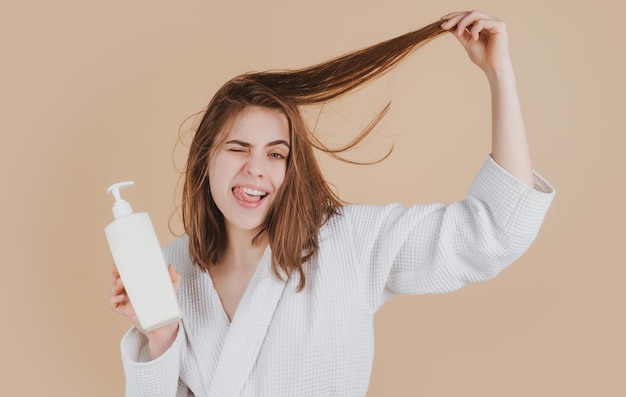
x,y
139,260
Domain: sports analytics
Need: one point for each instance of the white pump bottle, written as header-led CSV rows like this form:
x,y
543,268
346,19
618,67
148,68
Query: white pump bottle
x,y
139,260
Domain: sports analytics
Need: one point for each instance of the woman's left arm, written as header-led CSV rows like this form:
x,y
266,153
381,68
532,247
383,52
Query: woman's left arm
x,y
485,40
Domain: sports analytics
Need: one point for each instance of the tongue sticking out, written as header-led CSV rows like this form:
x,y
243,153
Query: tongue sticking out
x,y
242,196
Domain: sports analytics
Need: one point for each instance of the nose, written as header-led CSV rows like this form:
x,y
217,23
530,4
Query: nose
x,y
253,167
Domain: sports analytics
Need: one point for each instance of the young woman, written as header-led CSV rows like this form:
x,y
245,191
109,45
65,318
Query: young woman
x,y
278,282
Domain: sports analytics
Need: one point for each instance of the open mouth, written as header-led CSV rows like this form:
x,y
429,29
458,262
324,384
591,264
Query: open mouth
x,y
248,195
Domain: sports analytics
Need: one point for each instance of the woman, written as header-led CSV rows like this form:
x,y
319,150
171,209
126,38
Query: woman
x,y
278,281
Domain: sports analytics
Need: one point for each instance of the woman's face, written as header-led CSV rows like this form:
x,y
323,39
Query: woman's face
x,y
248,167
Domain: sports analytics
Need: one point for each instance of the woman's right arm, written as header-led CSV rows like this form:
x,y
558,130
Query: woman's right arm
x,y
151,359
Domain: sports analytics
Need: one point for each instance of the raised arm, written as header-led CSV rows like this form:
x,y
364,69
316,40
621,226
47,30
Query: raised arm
x,y
485,40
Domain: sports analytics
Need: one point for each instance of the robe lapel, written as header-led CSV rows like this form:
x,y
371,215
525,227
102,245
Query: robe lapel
x,y
247,330
206,327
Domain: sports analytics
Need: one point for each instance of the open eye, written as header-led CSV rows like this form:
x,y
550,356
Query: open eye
x,y
277,155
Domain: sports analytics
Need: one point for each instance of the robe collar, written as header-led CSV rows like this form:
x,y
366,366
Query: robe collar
x,y
247,330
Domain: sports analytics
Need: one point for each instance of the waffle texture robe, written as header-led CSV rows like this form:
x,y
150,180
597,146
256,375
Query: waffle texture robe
x,y
320,342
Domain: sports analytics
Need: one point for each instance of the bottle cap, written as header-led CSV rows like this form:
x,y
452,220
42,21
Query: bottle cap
x,y
121,208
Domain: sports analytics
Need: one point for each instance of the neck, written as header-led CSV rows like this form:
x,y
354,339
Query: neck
x,y
240,251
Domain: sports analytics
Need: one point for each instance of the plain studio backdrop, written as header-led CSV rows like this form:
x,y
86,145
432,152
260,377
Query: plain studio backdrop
x,y
94,93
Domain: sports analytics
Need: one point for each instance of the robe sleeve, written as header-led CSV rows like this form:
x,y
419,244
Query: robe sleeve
x,y
159,377
438,248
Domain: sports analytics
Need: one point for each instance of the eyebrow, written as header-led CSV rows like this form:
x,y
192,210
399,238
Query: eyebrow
x,y
246,144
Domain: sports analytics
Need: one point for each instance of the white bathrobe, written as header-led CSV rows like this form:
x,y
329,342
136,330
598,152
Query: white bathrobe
x,y
320,342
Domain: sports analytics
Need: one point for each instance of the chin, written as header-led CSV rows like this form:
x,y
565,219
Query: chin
x,y
248,226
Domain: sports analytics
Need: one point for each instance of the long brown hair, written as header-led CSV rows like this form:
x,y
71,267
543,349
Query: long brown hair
x,y
304,202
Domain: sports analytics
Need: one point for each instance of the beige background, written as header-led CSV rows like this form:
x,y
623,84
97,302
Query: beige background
x,y
94,92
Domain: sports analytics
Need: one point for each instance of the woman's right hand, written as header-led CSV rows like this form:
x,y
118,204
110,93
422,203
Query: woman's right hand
x,y
159,339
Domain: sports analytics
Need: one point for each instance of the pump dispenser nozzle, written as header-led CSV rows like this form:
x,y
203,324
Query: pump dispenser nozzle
x,y
121,207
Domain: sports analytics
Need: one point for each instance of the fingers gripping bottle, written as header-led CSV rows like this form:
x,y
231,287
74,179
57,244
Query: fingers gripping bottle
x,y
139,260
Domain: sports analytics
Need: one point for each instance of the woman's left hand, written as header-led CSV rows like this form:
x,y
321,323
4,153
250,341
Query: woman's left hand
x,y
484,38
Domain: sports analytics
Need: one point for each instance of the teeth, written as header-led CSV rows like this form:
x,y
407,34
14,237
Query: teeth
x,y
252,192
